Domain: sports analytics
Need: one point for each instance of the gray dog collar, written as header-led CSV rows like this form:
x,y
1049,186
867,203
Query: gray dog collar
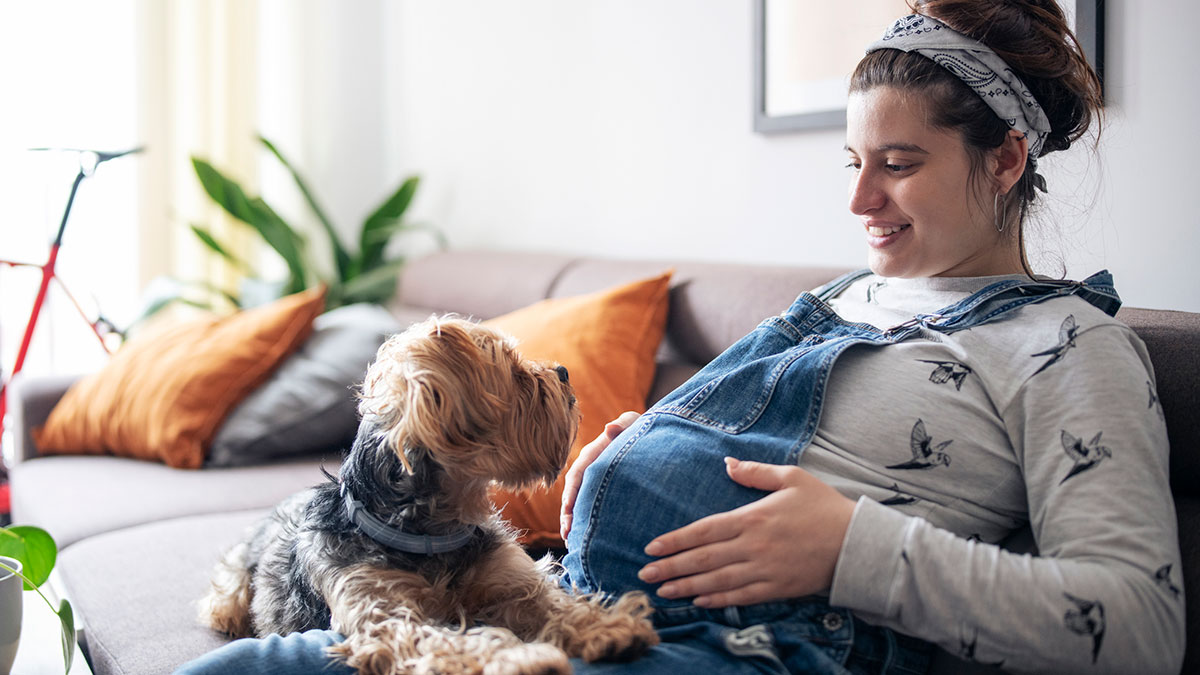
x,y
393,537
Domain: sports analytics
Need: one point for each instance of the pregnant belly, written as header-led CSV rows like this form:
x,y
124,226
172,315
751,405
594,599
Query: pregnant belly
x,y
662,473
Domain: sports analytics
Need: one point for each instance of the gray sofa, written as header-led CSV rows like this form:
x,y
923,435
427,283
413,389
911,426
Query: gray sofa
x,y
138,539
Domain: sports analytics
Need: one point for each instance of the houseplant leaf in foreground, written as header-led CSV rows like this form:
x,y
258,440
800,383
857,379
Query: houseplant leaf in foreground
x,y
67,618
34,547
36,552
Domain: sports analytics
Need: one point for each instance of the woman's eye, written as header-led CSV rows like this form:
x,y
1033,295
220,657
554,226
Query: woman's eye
x,y
897,168
854,165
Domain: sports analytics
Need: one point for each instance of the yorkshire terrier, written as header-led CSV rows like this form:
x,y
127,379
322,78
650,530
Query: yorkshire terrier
x,y
403,553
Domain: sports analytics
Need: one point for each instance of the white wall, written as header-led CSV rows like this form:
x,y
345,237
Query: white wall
x,y
623,128
66,80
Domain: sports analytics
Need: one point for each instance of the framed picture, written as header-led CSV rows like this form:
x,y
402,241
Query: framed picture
x,y
805,50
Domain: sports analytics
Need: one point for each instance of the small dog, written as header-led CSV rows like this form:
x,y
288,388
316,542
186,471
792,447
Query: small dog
x,y
403,553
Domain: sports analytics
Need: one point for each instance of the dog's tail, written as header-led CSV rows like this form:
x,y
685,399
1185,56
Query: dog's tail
x,y
226,607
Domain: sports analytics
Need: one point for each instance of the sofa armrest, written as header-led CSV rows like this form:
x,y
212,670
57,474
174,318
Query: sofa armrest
x,y
30,400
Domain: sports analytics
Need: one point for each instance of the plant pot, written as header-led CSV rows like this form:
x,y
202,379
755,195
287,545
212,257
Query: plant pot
x,y
11,600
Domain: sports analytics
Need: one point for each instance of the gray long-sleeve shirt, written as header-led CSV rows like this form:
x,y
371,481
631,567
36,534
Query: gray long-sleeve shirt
x,y
951,443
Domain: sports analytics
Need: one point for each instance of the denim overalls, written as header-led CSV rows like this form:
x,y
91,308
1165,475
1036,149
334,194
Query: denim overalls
x,y
760,400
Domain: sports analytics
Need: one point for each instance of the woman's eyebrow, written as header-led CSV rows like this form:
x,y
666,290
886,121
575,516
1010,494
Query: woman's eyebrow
x,y
899,147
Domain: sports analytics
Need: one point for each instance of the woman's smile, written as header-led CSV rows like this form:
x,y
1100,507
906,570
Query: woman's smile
x,y
884,234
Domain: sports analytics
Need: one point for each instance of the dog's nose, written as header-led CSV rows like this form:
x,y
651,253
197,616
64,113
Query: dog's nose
x,y
562,373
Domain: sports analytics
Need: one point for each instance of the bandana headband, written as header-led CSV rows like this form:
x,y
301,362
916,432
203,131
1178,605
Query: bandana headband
x,y
980,68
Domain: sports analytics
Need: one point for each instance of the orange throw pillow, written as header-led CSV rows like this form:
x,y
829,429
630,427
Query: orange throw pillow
x,y
163,395
607,341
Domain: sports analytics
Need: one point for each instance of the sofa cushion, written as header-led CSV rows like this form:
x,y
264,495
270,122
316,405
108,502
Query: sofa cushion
x,y
76,497
308,404
136,589
163,394
607,341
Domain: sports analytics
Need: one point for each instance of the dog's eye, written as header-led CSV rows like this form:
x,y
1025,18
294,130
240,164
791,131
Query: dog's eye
x,y
562,373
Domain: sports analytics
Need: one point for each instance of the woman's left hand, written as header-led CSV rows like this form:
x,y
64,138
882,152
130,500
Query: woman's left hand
x,y
784,545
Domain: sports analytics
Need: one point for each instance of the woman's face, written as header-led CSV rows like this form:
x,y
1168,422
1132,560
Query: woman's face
x,y
922,213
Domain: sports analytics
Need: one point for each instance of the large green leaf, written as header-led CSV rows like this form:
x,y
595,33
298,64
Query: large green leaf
x,y
33,547
380,225
226,192
340,256
229,195
286,242
220,249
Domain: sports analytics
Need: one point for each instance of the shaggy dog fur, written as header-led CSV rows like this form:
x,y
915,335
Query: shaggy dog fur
x,y
448,408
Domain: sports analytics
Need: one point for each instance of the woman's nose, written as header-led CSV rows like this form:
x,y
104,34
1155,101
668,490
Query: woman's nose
x,y
865,195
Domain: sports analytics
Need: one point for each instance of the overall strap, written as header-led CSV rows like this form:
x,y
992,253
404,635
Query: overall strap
x,y
1002,297
831,289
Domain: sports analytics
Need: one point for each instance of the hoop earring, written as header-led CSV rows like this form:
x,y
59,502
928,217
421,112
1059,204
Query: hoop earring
x,y
998,214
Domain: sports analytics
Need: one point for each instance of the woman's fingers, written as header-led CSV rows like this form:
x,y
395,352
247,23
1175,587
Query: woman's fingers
x,y
723,579
587,455
769,477
693,561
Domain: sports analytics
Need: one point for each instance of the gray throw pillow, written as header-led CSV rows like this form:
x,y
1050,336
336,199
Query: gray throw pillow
x,y
308,404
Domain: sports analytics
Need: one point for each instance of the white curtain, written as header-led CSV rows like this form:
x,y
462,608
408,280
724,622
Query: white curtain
x,y
198,69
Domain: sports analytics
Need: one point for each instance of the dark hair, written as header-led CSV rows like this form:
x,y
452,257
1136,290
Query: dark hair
x,y
1033,38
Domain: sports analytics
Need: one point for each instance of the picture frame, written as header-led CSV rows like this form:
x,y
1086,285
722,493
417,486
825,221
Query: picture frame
x,y
801,70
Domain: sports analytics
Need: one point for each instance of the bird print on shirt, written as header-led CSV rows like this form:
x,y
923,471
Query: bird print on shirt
x,y
874,288
1068,333
1154,401
1086,618
1086,455
966,650
1162,577
899,498
948,371
924,454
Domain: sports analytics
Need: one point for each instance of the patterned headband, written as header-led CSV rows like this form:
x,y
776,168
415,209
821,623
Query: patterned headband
x,y
979,67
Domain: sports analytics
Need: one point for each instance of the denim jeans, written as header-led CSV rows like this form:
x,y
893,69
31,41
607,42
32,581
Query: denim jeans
x,y
789,637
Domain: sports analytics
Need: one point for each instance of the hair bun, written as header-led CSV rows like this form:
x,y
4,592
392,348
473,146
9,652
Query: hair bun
x,y
1032,36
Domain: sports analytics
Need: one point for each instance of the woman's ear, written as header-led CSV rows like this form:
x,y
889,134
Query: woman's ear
x,y
1009,160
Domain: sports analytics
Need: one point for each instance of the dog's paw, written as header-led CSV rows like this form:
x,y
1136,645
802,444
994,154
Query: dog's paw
x,y
620,643
537,658
624,634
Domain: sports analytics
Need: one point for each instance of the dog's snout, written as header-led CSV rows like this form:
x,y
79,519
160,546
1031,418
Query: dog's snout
x,y
562,373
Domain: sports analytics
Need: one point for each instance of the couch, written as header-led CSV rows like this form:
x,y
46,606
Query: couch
x,y
138,539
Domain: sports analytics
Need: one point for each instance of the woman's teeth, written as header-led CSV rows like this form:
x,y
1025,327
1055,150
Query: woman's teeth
x,y
884,231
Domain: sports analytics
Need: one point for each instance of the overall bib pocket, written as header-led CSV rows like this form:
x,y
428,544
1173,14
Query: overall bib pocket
x,y
732,393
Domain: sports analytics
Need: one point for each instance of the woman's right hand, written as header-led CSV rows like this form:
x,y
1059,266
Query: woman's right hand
x,y
587,455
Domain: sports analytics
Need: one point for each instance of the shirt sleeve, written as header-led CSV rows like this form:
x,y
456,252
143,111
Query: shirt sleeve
x,y
1105,593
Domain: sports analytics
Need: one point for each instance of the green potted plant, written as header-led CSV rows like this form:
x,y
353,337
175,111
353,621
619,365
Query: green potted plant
x,y
364,273
35,549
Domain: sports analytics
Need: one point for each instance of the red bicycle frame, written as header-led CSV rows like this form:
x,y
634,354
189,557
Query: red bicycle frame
x,y
88,161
